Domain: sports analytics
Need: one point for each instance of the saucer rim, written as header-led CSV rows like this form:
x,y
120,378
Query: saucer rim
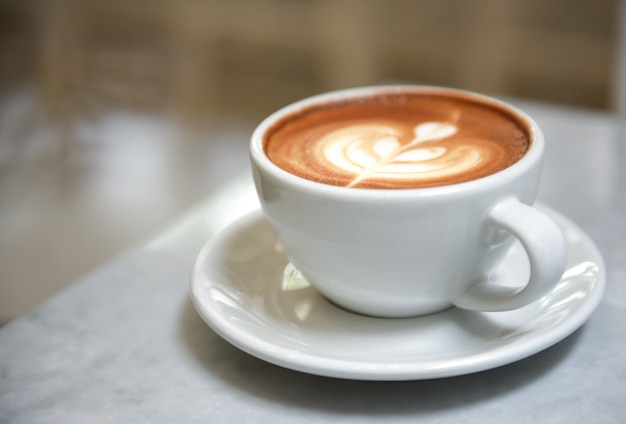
x,y
415,370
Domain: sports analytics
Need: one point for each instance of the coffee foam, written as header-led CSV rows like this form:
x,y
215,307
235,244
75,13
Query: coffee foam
x,y
404,140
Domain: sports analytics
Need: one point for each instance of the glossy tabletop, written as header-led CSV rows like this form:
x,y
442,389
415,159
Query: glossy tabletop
x,y
125,344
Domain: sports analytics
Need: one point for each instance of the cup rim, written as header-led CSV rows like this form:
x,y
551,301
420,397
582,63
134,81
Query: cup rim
x,y
260,159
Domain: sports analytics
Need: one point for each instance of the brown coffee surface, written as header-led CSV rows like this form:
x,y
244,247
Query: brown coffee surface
x,y
398,140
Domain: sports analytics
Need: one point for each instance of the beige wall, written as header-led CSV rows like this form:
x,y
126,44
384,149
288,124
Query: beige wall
x,y
251,56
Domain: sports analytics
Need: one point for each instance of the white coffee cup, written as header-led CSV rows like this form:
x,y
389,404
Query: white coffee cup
x,y
411,252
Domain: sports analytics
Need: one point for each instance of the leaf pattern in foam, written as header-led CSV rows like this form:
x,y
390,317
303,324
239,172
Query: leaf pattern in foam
x,y
389,148
433,131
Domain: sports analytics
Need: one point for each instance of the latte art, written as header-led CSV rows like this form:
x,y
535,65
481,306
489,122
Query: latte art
x,y
375,151
416,141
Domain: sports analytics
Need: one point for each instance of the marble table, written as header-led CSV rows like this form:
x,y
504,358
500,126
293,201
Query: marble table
x,y
125,344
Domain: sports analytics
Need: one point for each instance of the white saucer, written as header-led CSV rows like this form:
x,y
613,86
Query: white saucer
x,y
237,287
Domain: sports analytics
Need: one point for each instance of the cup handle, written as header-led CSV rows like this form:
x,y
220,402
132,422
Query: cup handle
x,y
547,254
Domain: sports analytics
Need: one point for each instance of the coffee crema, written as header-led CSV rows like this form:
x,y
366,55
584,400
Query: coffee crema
x,y
398,140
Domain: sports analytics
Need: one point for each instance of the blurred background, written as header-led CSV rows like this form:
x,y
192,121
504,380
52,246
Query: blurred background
x,y
118,115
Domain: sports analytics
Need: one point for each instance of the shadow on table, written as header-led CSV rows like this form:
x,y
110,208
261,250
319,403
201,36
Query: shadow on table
x,y
296,389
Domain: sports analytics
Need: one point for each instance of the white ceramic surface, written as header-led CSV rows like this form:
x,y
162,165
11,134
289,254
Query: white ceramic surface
x,y
239,289
433,247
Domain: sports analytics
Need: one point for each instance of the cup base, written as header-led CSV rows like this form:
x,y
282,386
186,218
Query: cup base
x,y
293,280
387,315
